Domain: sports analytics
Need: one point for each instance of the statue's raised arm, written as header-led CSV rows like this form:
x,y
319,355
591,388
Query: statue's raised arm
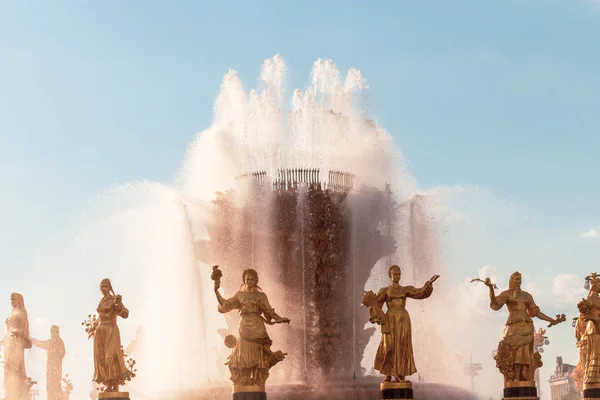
x,y
216,277
251,356
394,358
496,303
516,357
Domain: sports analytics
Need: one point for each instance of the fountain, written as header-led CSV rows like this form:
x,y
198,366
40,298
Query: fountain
x,y
315,196
313,199
323,242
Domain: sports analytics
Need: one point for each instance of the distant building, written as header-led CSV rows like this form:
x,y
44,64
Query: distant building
x,y
562,387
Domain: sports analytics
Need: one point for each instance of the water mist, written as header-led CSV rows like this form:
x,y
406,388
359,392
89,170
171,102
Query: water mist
x,y
157,242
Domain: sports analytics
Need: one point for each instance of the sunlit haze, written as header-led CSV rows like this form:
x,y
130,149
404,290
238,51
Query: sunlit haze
x,y
119,121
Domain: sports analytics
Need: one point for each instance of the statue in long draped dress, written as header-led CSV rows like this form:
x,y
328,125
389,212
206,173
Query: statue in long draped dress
x,y
587,331
394,356
55,352
15,342
516,358
251,355
110,369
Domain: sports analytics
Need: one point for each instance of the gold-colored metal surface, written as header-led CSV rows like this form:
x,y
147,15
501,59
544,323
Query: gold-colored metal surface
x,y
109,395
587,332
102,327
396,385
251,356
516,358
15,342
55,352
394,357
248,388
519,384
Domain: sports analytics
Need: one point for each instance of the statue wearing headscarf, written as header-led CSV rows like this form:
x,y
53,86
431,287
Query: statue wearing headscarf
x,y
109,362
15,342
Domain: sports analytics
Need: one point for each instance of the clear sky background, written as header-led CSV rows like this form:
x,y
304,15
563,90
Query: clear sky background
x,y
502,95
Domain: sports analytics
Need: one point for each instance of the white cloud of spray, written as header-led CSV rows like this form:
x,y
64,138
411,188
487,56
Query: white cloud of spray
x,y
136,234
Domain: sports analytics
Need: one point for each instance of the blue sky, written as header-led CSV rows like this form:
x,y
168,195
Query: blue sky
x,y
501,95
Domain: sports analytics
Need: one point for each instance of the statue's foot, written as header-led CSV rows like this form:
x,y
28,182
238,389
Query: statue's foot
x,y
387,379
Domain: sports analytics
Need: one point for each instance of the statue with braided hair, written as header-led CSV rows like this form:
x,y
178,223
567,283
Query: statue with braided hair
x,y
110,368
251,355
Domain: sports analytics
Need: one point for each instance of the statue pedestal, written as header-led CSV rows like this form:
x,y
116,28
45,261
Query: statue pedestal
x,y
113,395
591,391
520,390
396,390
253,392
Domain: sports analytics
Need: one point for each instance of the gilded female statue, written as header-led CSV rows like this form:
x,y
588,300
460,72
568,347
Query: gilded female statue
x,y
587,332
394,356
516,358
15,342
251,355
55,352
109,362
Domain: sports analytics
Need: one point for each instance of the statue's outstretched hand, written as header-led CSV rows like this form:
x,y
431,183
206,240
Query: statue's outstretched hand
x,y
216,276
487,282
433,279
559,318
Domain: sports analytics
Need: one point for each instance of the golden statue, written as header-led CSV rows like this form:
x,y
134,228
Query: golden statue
x,y
587,331
516,358
394,356
251,355
110,368
15,342
55,349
